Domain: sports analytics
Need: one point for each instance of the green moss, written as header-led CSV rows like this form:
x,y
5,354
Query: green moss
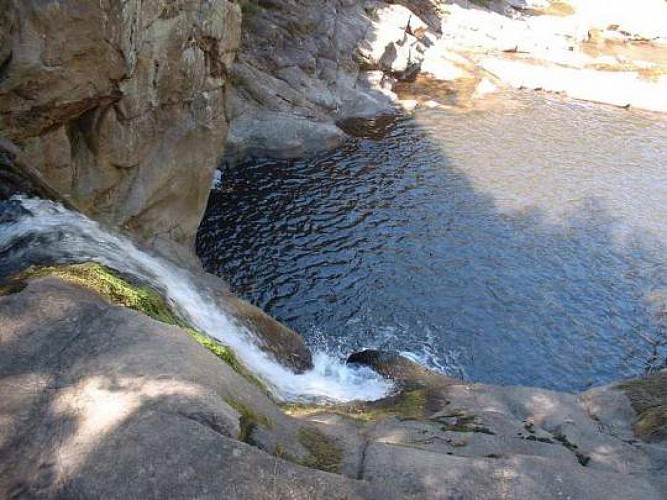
x,y
539,439
280,452
467,428
652,423
649,399
409,404
646,393
11,288
249,420
324,453
463,423
110,286
250,8
225,354
115,289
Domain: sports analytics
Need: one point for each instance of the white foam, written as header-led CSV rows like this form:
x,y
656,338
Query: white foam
x,y
80,239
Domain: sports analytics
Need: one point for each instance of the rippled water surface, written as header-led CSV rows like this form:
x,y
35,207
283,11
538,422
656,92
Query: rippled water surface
x,y
522,244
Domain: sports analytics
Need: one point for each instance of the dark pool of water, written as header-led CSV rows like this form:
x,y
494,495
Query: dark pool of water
x,y
523,244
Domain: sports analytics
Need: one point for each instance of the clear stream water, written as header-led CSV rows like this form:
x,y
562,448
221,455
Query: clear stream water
x,y
520,244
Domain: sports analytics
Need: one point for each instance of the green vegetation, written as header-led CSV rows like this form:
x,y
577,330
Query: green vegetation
x,y
652,423
409,404
225,354
467,425
249,420
324,453
117,290
249,8
649,399
110,286
462,423
539,439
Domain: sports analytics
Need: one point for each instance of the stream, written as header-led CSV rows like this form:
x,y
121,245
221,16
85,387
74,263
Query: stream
x,y
522,243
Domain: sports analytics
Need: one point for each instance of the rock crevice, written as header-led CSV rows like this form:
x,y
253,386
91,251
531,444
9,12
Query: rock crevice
x,y
120,106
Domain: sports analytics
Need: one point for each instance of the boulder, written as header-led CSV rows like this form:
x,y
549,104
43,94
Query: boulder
x,y
303,66
102,401
284,344
393,366
120,105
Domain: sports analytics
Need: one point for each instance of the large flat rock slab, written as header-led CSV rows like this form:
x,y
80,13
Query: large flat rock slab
x,y
434,475
100,401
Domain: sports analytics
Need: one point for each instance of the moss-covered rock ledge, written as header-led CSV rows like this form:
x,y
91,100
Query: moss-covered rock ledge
x,y
106,392
120,291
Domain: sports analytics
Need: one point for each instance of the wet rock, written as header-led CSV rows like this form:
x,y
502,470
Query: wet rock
x,y
279,135
369,128
393,366
284,344
10,211
17,178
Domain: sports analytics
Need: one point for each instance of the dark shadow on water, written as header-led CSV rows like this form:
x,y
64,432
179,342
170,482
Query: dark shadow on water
x,y
385,243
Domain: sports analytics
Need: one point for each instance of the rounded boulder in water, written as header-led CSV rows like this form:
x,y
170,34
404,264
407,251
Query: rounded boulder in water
x,y
283,344
390,365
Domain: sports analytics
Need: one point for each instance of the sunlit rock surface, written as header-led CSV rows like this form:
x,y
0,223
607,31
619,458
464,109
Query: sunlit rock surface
x,y
120,105
304,65
102,401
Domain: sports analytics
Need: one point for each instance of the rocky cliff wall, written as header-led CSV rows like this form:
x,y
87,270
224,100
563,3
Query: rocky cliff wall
x,y
124,108
305,65
120,105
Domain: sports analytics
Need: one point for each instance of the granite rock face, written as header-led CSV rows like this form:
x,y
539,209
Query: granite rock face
x,y
120,105
102,401
305,64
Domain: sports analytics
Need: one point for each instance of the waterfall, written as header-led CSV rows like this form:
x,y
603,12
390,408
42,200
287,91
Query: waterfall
x,y
33,230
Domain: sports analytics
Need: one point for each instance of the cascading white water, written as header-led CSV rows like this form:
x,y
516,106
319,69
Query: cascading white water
x,y
71,237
